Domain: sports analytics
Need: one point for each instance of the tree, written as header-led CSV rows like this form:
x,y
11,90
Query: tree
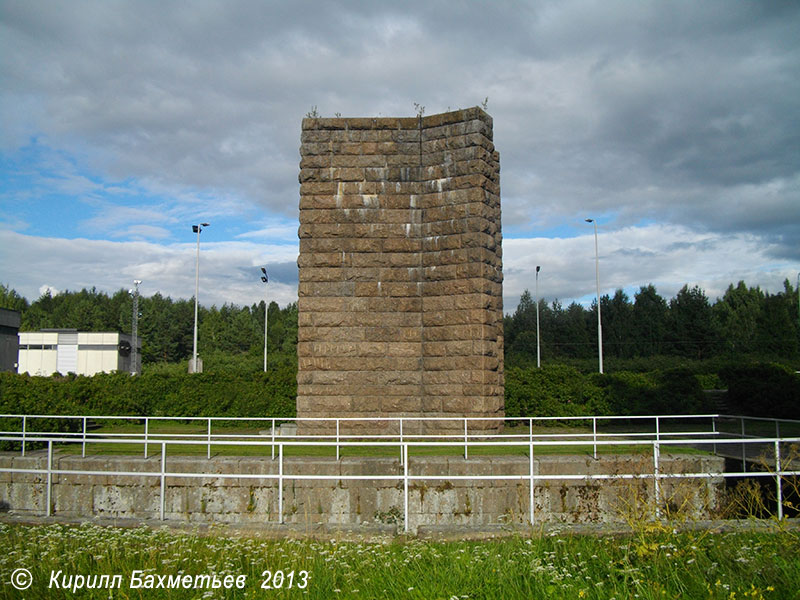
x,y
738,313
692,331
10,299
616,314
648,322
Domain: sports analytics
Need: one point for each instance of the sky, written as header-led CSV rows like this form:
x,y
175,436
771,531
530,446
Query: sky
x,y
675,125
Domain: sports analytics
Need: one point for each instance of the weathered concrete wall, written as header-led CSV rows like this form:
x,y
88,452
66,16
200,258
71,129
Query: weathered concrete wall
x,y
218,498
400,293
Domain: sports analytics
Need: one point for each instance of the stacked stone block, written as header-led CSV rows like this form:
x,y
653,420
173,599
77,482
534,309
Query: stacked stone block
x,y
400,293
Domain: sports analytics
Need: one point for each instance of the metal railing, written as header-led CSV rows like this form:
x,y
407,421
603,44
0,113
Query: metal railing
x,y
401,426
658,439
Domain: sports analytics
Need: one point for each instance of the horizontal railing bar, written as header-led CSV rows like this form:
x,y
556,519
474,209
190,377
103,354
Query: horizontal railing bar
x,y
155,436
387,418
337,477
34,437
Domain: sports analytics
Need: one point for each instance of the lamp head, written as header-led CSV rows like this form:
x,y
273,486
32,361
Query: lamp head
x,y
538,268
590,220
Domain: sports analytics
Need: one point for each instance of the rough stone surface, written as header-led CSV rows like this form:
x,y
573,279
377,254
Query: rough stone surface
x,y
400,293
437,496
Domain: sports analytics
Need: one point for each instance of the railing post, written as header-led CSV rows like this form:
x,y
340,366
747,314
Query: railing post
x,y
778,478
146,432
83,443
714,432
163,477
744,457
405,488
24,430
280,483
465,439
208,453
594,437
401,440
337,439
656,482
658,429
273,439
530,473
49,494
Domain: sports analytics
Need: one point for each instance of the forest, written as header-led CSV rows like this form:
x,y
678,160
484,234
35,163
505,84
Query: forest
x,y
659,355
745,322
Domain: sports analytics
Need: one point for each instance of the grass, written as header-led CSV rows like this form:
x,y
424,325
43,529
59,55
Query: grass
x,y
652,563
166,428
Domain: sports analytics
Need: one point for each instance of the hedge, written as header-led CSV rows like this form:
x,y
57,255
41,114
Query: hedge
x,y
202,394
561,390
763,390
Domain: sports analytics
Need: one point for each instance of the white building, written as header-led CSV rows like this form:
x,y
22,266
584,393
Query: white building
x,y
69,351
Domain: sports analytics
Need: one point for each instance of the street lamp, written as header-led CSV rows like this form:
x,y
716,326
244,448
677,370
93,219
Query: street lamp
x,y
265,279
538,349
135,328
196,229
597,276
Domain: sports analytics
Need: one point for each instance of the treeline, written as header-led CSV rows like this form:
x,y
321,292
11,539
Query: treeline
x,y
231,338
746,321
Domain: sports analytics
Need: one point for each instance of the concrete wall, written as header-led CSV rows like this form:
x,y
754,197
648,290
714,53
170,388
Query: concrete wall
x,y
442,501
400,293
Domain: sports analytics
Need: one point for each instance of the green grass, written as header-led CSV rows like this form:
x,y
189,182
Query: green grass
x,y
166,428
653,563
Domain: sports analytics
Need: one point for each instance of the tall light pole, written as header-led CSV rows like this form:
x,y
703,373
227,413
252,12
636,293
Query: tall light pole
x,y
597,276
135,328
265,279
538,348
197,229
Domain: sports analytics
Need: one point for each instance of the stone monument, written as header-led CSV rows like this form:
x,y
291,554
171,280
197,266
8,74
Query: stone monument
x,y
400,293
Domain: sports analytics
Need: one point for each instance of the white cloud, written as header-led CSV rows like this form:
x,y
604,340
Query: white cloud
x,y
229,271
151,115
665,255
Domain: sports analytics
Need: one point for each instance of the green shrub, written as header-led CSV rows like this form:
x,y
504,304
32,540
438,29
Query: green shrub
x,y
627,393
202,394
553,390
763,390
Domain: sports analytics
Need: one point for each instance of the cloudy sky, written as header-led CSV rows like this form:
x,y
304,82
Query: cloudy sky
x,y
676,125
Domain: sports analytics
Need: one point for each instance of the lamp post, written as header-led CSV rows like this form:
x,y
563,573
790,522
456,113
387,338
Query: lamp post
x,y
196,229
599,320
265,279
135,328
538,348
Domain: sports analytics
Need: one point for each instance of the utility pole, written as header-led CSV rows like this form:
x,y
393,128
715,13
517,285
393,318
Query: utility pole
x,y
135,328
597,276
196,229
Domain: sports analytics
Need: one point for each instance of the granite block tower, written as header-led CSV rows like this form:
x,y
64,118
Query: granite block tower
x,y
400,293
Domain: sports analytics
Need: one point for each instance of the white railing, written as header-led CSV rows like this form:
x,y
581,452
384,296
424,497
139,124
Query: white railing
x,y
658,440
401,426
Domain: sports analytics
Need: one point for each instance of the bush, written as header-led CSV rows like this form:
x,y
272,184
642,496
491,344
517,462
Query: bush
x,y
627,393
763,390
553,390
184,395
